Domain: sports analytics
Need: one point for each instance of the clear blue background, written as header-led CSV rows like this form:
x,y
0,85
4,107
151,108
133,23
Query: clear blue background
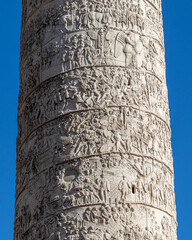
x,y
178,42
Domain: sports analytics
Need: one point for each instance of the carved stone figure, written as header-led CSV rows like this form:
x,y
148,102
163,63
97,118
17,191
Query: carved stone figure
x,y
94,158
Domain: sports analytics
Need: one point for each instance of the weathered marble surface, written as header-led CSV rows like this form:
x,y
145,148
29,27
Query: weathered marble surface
x,y
94,158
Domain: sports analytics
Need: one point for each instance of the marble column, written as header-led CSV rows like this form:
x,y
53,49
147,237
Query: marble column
x,y
94,157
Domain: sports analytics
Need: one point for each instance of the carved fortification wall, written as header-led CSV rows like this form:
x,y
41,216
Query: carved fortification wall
x,y
94,158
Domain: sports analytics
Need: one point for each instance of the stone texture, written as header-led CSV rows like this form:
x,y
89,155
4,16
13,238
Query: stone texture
x,y
94,158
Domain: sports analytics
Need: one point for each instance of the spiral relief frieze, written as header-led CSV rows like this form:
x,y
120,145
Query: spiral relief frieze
x,y
94,157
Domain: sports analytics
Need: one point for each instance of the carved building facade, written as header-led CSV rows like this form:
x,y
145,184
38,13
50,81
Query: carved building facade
x,y
94,158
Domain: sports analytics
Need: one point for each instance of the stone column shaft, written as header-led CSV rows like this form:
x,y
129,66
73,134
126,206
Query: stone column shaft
x,y
94,158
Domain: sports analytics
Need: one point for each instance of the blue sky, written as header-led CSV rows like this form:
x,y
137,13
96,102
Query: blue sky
x,y
178,39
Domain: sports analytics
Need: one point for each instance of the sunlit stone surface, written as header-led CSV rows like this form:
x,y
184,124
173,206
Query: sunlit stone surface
x,y
94,158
